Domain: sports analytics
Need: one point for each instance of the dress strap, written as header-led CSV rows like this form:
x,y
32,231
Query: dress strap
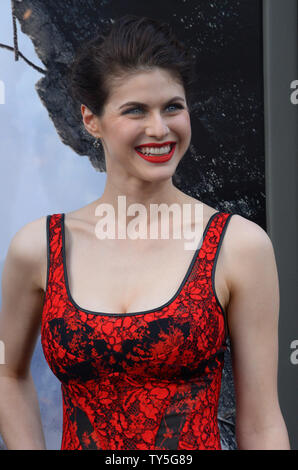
x,y
203,274
54,245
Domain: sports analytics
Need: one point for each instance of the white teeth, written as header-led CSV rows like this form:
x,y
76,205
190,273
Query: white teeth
x,y
155,150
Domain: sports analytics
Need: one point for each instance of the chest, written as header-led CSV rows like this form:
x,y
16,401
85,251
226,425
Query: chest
x,y
119,276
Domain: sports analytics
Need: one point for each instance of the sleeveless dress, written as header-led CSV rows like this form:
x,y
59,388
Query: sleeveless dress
x,y
142,380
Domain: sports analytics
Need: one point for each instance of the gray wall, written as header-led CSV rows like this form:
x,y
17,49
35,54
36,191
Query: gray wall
x,y
281,144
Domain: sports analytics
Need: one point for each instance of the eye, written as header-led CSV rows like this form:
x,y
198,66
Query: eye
x,y
129,111
176,105
139,108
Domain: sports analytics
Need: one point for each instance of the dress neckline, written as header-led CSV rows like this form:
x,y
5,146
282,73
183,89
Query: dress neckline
x,y
166,304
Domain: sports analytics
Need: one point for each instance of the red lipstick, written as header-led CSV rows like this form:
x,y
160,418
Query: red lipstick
x,y
157,158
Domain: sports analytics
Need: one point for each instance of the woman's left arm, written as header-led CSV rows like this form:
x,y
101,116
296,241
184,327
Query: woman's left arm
x,y
252,314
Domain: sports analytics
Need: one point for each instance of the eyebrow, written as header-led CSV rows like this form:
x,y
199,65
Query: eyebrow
x,y
137,103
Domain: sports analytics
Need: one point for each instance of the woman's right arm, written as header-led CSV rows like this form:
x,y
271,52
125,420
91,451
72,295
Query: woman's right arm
x,y
20,320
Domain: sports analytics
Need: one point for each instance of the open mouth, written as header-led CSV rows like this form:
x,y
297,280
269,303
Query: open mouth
x,y
155,154
156,151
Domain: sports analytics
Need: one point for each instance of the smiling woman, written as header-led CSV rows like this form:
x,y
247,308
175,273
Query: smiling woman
x,y
113,77
136,330
157,117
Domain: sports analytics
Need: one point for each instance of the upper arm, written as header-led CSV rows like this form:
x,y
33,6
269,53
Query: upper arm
x,y
22,297
252,314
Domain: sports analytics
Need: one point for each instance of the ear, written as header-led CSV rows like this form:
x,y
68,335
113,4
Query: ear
x,y
90,121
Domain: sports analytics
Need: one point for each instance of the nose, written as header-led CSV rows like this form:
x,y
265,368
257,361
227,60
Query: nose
x,y
156,126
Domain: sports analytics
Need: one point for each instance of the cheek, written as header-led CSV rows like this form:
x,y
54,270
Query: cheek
x,y
182,121
183,127
126,135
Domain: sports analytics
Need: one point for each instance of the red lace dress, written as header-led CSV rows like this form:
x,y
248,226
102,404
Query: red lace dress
x,y
141,380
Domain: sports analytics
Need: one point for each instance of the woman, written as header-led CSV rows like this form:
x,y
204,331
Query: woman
x,y
135,329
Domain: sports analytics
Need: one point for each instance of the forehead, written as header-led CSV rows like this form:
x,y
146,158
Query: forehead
x,y
150,86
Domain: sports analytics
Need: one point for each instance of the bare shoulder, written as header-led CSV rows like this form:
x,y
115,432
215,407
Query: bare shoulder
x,y
246,242
244,231
22,297
29,247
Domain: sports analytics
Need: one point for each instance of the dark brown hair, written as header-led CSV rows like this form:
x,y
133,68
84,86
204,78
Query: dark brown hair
x,y
129,45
